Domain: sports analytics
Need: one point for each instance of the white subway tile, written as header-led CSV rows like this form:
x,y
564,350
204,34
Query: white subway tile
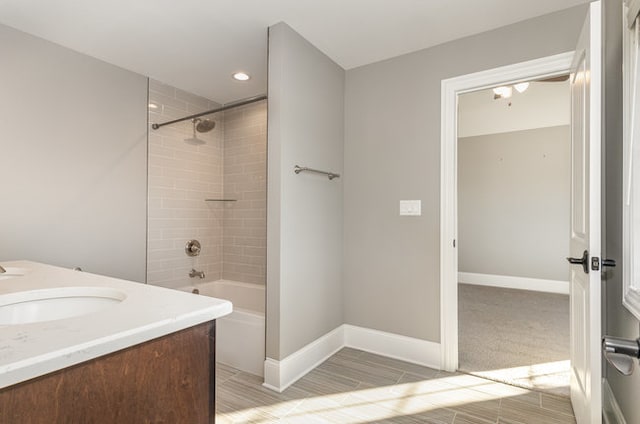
x,y
164,100
159,87
193,99
192,173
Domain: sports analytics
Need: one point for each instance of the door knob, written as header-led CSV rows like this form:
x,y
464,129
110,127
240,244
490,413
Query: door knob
x,y
584,261
621,353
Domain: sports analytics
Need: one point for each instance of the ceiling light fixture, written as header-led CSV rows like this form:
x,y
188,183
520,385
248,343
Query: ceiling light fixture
x,y
503,92
241,76
506,91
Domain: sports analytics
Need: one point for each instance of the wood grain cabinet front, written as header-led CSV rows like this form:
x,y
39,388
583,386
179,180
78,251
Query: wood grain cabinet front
x,y
169,380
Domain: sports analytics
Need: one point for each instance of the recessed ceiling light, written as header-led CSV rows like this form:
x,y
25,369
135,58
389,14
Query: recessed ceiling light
x,y
241,76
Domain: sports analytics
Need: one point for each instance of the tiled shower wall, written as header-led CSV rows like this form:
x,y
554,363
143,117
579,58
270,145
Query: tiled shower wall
x,y
231,165
181,176
245,179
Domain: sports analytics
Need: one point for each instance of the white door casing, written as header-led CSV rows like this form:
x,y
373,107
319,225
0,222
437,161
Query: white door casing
x,y
585,293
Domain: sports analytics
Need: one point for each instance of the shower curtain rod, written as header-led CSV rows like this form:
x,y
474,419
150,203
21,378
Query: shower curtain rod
x,y
209,112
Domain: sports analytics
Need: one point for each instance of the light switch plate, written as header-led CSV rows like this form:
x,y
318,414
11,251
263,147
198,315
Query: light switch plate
x,y
410,207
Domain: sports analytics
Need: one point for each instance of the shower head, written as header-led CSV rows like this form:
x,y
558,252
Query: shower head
x,y
197,122
204,125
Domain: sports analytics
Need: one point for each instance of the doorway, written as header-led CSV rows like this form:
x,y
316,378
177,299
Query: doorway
x,y
584,65
536,69
513,180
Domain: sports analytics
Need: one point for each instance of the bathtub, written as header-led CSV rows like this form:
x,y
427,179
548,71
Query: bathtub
x,y
240,335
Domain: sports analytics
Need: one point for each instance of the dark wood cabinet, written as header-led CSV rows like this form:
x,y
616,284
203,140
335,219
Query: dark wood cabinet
x,y
166,380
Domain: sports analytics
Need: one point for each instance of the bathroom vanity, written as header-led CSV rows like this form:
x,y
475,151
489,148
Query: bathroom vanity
x,y
81,348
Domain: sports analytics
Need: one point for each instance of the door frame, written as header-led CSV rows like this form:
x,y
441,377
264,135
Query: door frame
x,y
450,89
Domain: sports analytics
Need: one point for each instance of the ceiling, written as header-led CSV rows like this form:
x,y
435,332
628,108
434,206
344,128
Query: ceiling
x,y
197,44
542,105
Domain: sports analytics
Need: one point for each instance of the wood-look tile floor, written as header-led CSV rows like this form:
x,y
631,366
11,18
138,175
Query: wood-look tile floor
x,y
359,387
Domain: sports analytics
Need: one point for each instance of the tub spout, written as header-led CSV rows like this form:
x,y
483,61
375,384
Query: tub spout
x,y
193,273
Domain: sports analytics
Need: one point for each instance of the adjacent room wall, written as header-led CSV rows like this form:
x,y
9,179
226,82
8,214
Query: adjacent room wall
x,y
304,219
73,159
392,152
513,203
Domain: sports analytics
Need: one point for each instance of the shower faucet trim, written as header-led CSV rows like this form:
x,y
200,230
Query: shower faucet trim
x,y
193,273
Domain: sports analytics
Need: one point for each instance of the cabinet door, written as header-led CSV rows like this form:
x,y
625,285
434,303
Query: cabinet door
x,y
168,380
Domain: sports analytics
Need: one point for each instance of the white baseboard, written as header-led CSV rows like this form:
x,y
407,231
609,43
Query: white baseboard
x,y
509,282
611,412
278,375
409,349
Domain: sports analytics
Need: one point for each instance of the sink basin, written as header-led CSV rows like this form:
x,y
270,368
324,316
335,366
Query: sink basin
x,y
53,304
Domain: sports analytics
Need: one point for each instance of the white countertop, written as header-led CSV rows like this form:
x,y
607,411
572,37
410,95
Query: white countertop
x,y
147,312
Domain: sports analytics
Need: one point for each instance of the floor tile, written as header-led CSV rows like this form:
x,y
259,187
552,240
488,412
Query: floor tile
x,y
557,403
320,382
438,416
512,411
347,352
361,371
224,372
363,388
397,364
468,419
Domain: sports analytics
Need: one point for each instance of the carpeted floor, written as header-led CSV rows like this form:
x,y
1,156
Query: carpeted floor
x,y
515,336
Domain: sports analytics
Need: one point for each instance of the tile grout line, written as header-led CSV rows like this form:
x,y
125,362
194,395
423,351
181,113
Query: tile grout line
x,y
400,378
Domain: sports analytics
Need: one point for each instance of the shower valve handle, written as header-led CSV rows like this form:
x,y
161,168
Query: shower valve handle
x,y
192,248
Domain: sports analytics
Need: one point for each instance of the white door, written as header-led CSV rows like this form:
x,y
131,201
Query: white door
x,y
585,221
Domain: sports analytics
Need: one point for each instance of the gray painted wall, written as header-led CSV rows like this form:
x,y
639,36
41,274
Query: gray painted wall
x,y
513,203
304,215
73,145
618,321
392,152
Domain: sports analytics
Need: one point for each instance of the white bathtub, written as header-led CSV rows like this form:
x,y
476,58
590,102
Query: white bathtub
x,y
240,335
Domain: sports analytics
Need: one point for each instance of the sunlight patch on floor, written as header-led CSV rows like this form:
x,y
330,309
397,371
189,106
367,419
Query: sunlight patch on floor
x,y
364,405
547,375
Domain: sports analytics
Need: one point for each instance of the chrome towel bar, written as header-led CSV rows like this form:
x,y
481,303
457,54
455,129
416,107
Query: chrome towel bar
x,y
298,169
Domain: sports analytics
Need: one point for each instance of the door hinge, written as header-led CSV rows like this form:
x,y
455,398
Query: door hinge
x,y
454,242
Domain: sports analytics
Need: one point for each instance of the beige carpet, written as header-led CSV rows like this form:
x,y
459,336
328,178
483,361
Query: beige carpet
x,y
515,336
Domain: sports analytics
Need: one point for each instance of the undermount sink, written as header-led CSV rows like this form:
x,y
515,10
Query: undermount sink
x,y
53,304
